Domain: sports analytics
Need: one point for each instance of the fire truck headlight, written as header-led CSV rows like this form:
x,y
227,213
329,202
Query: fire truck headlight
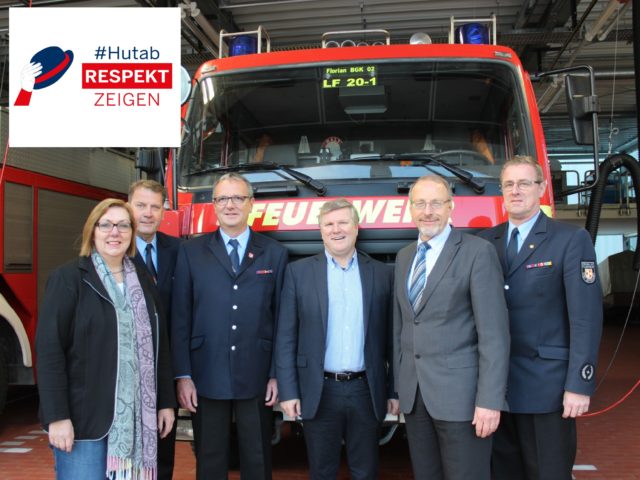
x,y
420,38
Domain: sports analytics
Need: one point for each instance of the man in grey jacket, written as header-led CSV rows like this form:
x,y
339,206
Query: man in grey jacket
x,y
451,341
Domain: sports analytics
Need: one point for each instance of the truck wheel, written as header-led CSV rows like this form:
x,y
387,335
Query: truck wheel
x,y
4,382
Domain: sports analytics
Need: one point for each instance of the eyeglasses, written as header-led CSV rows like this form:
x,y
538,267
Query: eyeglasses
x,y
106,227
235,199
523,185
433,204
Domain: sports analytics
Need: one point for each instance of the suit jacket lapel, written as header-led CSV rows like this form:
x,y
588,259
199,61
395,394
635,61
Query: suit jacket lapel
x,y
254,249
500,242
138,260
217,247
404,269
142,265
163,258
536,237
320,279
449,251
366,280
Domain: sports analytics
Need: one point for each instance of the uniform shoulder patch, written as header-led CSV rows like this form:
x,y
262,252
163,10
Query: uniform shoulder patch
x,y
588,271
586,372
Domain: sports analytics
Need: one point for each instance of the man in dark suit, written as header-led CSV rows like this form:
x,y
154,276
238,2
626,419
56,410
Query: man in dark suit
x,y
157,252
225,302
555,311
451,341
333,348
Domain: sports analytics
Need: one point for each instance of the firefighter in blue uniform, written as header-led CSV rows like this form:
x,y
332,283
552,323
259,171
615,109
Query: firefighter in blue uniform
x,y
555,311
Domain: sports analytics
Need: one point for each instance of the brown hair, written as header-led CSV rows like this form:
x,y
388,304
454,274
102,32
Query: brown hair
x,y
152,185
339,204
523,160
88,231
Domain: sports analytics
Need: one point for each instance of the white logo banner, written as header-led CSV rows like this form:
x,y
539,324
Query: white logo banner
x,y
94,77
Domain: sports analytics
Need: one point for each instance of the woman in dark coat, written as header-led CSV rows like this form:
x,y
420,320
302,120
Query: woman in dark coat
x,y
104,376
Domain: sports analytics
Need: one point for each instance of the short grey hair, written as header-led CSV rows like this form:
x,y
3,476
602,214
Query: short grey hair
x,y
433,179
339,204
523,160
232,177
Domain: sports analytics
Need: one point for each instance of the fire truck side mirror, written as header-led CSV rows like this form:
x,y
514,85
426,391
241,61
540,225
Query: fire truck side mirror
x,y
150,160
185,85
582,103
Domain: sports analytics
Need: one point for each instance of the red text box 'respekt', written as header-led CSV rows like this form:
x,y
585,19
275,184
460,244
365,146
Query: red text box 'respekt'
x,y
127,75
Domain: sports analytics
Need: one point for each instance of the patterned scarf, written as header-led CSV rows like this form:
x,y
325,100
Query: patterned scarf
x,y
132,440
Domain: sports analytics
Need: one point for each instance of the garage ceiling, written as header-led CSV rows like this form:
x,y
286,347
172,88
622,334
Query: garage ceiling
x,y
545,33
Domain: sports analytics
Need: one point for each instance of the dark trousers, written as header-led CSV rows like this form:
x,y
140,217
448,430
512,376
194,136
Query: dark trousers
x,y
166,452
442,450
538,446
345,413
211,431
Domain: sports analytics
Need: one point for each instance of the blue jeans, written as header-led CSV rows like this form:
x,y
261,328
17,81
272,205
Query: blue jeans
x,y
87,461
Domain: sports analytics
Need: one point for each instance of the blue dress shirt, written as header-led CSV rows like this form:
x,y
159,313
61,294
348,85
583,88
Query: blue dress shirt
x,y
141,246
345,325
243,240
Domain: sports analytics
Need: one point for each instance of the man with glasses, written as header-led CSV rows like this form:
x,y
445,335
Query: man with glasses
x,y
156,253
225,298
451,341
555,312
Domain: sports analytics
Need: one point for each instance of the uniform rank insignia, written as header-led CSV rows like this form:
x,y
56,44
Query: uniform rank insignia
x,y
586,372
588,270
539,265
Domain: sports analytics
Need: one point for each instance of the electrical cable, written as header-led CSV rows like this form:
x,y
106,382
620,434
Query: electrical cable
x,y
613,86
624,327
613,357
613,405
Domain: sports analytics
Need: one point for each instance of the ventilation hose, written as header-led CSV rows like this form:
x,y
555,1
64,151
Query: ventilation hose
x,y
613,162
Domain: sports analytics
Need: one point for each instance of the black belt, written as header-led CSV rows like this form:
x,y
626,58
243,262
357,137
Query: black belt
x,y
343,376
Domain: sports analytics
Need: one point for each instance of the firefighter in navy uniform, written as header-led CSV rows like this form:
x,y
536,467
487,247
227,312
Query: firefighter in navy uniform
x,y
555,311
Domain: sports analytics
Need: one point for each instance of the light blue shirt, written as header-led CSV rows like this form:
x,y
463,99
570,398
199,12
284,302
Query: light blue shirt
x,y
243,240
523,230
141,246
437,244
345,324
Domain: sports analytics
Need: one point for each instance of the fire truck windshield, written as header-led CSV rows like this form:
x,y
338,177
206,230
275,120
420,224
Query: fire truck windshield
x,y
357,121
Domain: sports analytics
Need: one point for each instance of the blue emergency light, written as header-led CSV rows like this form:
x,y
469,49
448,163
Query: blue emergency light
x,y
243,45
473,33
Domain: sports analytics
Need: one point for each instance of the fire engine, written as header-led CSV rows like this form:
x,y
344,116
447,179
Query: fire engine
x,y
360,118
45,197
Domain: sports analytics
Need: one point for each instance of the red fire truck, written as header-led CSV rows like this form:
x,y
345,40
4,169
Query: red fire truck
x,y
360,118
361,122
45,197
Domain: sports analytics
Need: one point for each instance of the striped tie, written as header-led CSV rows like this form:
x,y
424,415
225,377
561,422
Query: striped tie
x,y
419,277
235,258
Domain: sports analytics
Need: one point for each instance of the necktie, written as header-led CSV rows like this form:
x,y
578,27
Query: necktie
x,y
419,277
149,261
235,258
512,248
